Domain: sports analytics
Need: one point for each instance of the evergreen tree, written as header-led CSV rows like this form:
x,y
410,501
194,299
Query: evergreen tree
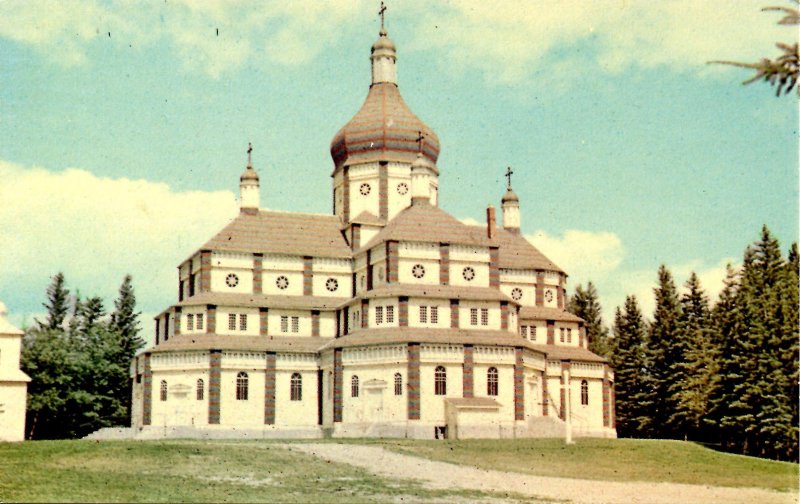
x,y
631,384
666,350
57,304
125,319
586,305
692,388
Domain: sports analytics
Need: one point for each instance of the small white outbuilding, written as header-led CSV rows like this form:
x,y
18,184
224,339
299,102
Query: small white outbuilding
x,y
13,382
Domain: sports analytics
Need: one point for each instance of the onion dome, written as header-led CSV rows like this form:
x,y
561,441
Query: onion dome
x,y
249,174
384,129
510,196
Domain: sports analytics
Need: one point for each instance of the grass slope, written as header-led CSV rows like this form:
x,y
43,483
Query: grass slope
x,y
611,460
192,471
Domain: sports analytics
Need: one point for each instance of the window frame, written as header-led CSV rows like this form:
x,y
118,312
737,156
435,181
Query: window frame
x,y
440,381
200,389
492,382
296,387
398,384
354,388
242,386
584,393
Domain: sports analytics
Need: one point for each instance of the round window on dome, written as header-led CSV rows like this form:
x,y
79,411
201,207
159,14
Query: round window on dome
x,y
365,189
516,293
232,280
331,284
282,282
418,271
548,295
468,273
402,188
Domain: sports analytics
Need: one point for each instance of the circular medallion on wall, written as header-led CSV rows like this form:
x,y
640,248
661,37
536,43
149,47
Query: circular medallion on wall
x,y
365,189
331,284
516,293
402,188
418,271
232,280
282,282
468,273
548,295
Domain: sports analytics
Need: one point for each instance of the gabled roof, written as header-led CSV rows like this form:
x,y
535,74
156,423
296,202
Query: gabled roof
x,y
368,219
262,300
288,233
517,253
427,223
544,313
561,352
392,335
438,292
185,342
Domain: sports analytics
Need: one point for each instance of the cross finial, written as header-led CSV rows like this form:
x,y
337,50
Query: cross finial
x,y
509,172
249,154
420,140
382,13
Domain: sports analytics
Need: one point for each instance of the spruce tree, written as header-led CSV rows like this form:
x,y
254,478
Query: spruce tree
x,y
125,319
57,304
586,305
631,383
666,350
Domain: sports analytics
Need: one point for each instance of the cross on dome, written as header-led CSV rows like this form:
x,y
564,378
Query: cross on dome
x,y
508,174
382,13
249,154
420,140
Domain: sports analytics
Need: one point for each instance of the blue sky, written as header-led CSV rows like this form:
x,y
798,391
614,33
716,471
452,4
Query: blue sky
x,y
123,129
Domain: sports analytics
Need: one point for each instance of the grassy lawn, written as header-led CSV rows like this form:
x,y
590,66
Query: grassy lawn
x,y
609,459
196,471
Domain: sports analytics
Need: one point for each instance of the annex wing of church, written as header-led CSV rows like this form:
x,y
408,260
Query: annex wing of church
x,y
388,318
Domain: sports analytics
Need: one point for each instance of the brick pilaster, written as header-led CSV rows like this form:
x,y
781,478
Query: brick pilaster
x,y
383,189
147,391
364,314
454,313
308,276
494,267
504,315
338,380
545,398
582,335
391,261
211,323
519,389
214,383
613,406
205,270
469,370
540,288
269,389
355,236
551,332
560,291
258,273
263,321
176,324
315,323
402,311
444,264
413,392
606,398
346,193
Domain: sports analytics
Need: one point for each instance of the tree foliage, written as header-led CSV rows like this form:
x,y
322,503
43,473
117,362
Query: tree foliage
x,y
585,303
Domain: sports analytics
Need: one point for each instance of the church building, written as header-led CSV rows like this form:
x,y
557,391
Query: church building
x,y
387,318
13,382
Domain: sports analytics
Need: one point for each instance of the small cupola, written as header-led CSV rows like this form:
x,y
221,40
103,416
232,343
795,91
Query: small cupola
x,y
510,206
421,171
249,191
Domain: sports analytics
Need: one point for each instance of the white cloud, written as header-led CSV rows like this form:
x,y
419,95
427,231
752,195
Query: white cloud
x,y
585,255
96,230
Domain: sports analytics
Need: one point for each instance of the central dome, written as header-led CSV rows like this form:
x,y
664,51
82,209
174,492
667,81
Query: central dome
x,y
384,129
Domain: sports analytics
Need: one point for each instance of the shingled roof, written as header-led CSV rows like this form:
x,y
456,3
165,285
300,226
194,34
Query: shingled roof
x,y
186,342
424,222
282,233
263,300
438,292
544,313
561,352
516,252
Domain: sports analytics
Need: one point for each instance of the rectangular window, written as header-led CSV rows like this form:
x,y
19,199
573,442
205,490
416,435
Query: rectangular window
x,y
485,316
523,331
423,314
569,335
242,322
533,333
434,314
199,321
390,314
284,323
231,321
295,324
561,334
473,316
378,315
190,322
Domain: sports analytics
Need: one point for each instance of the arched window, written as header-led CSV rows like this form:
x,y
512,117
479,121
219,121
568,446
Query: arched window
x,y
440,381
200,389
398,384
491,381
585,393
296,387
241,386
163,390
354,386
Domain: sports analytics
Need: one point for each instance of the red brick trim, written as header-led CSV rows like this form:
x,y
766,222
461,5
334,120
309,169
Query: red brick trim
x,y
560,292
176,324
519,389
469,371
263,321
582,335
454,313
494,268
383,189
369,270
413,392
315,323
258,273
402,311
338,385
551,332
606,398
211,315
147,391
444,264
269,389
504,315
545,397
346,193
214,383
205,270
540,288
391,261
308,276
613,406
355,236
364,314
